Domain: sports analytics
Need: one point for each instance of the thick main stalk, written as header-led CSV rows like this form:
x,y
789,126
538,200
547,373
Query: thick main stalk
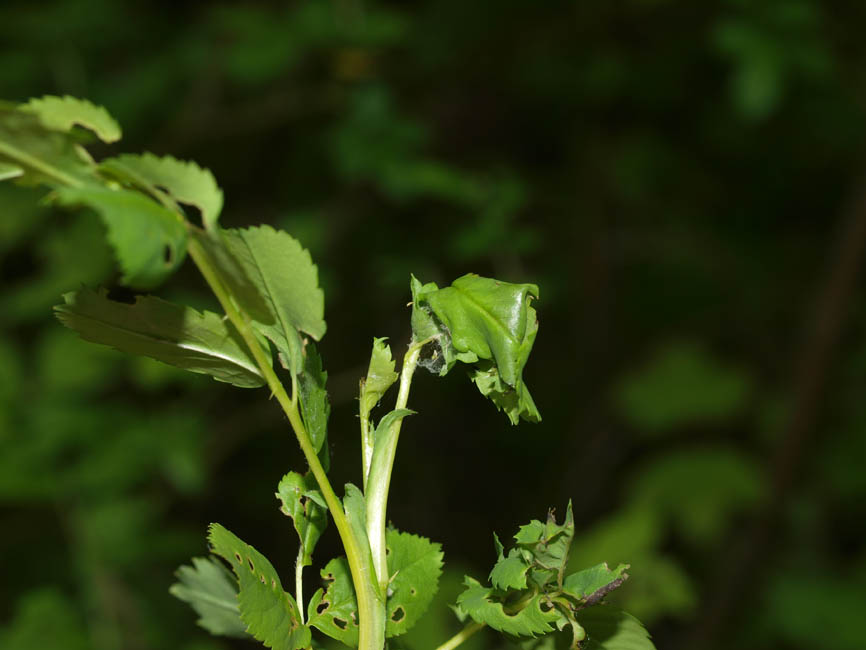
x,y
370,608
381,467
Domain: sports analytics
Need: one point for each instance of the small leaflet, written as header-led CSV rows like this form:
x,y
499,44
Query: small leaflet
x,y
415,565
303,501
530,597
380,376
315,407
62,113
270,614
595,582
184,181
510,572
212,591
35,155
483,606
333,610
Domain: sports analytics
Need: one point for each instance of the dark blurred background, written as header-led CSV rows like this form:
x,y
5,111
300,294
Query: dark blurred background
x,y
683,181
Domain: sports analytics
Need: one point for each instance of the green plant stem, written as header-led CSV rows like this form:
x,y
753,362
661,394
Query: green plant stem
x,y
381,467
369,607
299,582
366,447
461,636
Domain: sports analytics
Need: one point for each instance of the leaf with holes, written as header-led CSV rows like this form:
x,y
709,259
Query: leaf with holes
x,y
595,582
184,181
303,502
288,281
482,320
34,155
414,564
62,113
485,605
149,241
212,591
315,407
334,609
270,614
608,628
200,342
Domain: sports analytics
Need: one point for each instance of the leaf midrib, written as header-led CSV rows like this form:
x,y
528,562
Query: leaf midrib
x,y
164,341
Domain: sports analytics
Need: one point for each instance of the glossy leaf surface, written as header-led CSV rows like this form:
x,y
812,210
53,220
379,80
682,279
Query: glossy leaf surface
x,y
480,319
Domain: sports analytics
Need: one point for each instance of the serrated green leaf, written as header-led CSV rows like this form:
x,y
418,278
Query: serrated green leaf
x,y
200,342
315,407
608,628
483,606
303,502
380,376
243,291
287,280
271,615
334,609
184,181
414,564
510,572
530,533
44,156
482,319
212,591
516,403
548,545
62,113
589,582
9,171
149,241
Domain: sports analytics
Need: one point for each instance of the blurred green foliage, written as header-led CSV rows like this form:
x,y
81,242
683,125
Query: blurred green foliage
x,y
670,174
